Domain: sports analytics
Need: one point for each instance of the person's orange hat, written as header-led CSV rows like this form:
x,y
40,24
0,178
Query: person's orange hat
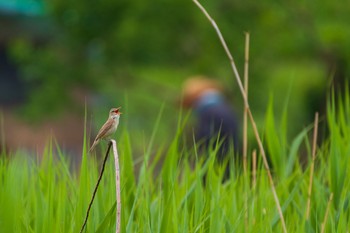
x,y
195,86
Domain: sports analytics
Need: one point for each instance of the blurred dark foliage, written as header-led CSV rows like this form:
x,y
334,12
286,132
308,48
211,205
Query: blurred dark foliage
x,y
95,42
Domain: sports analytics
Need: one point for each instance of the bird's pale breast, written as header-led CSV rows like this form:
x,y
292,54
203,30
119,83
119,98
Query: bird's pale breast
x,y
113,128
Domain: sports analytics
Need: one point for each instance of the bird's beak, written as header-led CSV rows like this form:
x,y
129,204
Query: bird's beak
x,y
117,111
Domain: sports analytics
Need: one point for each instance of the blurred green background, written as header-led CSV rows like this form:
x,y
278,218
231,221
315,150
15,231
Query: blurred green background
x,y
58,55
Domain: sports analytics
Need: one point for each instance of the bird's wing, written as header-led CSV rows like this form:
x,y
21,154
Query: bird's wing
x,y
94,145
104,129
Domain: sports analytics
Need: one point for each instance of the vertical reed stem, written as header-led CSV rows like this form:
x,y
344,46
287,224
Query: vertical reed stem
x,y
245,129
117,180
117,184
254,170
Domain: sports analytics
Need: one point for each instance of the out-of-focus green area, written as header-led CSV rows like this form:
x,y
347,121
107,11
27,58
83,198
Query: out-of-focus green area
x,y
137,53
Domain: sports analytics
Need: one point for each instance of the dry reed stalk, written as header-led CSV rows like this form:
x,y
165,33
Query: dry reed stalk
x,y
254,169
117,175
314,145
256,132
117,184
323,225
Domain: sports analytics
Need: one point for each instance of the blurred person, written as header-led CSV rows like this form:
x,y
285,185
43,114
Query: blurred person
x,y
215,118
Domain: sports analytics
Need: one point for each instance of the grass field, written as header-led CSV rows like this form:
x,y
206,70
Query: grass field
x,y
50,196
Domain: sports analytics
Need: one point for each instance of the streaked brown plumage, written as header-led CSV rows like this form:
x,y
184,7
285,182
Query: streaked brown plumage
x,y
109,128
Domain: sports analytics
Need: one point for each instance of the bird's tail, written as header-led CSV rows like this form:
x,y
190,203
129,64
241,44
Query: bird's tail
x,y
94,145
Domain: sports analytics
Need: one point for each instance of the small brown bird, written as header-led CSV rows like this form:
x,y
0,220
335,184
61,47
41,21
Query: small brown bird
x,y
109,128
